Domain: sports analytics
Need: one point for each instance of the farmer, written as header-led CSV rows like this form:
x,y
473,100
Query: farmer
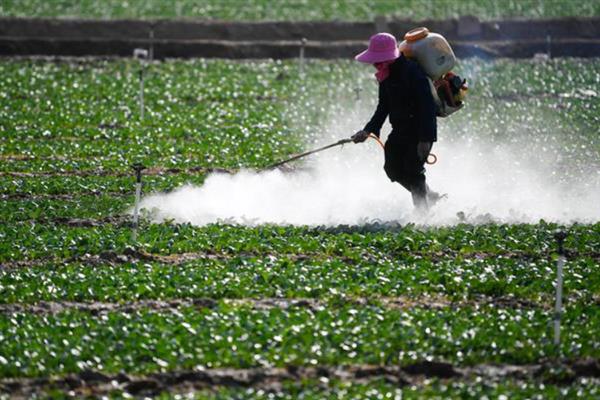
x,y
405,96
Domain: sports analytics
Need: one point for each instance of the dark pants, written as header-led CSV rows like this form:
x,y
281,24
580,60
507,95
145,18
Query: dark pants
x,y
403,166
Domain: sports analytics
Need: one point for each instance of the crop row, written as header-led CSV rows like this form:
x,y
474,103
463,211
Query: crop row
x,y
298,10
81,185
326,389
31,241
44,211
148,341
78,197
214,113
318,276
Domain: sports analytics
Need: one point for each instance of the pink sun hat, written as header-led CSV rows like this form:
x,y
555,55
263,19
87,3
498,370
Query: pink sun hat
x,y
382,47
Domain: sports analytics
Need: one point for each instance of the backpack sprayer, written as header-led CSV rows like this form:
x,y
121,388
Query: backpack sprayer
x,y
435,56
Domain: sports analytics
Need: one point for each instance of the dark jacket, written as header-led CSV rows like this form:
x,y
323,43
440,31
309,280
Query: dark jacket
x,y
406,97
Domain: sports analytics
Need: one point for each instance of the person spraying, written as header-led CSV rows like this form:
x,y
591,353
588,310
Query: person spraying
x,y
407,97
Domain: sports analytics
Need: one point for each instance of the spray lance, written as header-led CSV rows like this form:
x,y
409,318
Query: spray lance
x,y
431,159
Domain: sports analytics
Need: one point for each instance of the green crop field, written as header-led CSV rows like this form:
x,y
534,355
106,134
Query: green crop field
x,y
351,10
276,311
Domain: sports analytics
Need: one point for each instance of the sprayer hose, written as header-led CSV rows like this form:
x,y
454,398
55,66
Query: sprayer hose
x,y
373,136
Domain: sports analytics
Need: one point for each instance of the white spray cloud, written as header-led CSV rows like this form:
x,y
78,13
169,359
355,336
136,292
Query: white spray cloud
x,y
485,180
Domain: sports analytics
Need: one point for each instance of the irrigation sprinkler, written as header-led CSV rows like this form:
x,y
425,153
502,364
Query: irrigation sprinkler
x,y
142,55
138,168
301,58
141,97
560,237
357,91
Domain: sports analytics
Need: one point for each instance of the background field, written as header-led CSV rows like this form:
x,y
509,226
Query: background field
x,y
77,294
351,10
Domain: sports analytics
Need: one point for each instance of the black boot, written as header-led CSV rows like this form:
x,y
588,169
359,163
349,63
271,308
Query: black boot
x,y
419,196
434,197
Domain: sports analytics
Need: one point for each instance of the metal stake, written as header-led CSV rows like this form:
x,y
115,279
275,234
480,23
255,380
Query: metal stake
x,y
560,263
142,55
141,95
138,168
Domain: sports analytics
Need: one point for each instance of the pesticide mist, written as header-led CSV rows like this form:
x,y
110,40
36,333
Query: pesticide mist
x,y
496,164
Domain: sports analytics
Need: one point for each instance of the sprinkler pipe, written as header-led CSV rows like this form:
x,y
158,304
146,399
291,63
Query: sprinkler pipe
x,y
142,55
138,168
560,263
301,56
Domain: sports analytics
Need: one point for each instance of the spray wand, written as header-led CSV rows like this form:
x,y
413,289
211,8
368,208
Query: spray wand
x,y
338,143
297,156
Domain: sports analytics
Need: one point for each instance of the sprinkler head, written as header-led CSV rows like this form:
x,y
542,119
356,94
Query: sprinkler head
x,y
138,168
560,237
140,54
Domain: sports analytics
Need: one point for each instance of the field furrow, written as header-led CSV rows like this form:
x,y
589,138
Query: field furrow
x,y
415,375
400,303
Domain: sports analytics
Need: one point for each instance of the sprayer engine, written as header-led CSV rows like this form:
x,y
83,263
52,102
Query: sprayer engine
x,y
451,89
449,93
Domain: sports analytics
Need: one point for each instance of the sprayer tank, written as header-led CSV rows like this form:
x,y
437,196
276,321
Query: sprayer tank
x,y
430,50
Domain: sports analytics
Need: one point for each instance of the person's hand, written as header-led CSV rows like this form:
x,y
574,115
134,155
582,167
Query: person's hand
x,y
360,136
445,110
423,149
